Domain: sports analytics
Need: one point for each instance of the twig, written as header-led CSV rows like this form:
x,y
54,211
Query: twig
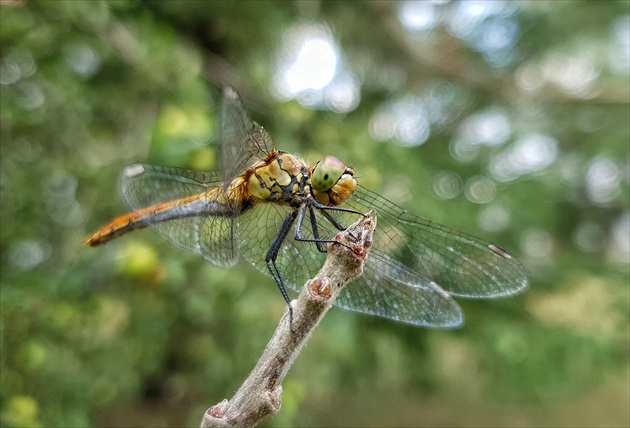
x,y
261,393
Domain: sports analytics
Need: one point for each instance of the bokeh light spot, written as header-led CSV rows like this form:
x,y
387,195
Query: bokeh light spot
x,y
620,238
488,127
538,243
619,56
27,254
494,218
530,153
311,69
417,16
480,190
603,180
82,59
405,120
447,185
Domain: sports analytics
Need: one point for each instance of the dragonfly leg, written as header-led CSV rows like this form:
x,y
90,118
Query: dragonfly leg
x,y
272,255
316,239
324,209
332,220
311,213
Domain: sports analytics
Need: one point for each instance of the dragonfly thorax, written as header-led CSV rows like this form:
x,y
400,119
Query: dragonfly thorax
x,y
282,178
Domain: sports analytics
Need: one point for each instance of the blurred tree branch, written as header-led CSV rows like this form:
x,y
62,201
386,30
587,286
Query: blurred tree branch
x,y
261,393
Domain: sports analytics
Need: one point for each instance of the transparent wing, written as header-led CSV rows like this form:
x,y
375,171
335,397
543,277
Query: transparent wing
x,y
388,289
459,263
214,238
243,141
385,289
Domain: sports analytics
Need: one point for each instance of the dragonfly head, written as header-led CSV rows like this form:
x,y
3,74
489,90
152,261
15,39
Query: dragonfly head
x,y
332,181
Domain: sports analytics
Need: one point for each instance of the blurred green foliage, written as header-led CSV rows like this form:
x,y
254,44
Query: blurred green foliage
x,y
139,333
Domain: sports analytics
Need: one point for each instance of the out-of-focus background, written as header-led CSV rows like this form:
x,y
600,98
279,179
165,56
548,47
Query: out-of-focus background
x,y
508,120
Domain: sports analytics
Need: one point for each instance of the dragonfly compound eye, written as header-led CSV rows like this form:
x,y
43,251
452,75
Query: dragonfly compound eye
x,y
326,173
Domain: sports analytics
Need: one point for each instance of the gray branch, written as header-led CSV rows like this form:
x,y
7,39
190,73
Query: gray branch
x,y
261,393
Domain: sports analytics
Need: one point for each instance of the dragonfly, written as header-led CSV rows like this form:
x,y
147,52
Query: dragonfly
x,y
415,268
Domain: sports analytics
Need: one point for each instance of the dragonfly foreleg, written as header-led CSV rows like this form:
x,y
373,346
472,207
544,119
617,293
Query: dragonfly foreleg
x,y
272,255
311,213
324,209
316,239
332,220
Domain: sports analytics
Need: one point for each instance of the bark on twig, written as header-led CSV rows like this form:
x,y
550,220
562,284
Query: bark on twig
x,y
261,393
